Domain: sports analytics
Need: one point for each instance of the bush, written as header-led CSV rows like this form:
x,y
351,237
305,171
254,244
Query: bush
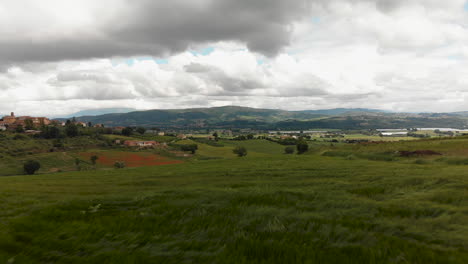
x,y
240,151
57,143
421,162
119,165
19,137
31,166
289,150
302,147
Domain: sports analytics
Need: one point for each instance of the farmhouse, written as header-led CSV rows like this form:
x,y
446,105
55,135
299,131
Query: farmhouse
x,y
136,143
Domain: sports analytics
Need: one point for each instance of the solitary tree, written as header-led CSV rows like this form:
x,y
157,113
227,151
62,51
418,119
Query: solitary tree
x,y
289,150
240,151
93,159
302,147
31,166
77,164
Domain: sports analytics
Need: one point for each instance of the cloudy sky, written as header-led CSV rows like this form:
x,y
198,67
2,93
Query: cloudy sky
x,y
62,56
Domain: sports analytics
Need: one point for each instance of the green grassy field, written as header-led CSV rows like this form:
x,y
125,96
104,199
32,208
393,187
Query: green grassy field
x,y
336,204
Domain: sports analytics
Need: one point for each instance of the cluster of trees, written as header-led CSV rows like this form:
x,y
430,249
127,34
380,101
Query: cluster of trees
x,y
128,131
448,133
301,148
190,147
73,129
244,137
93,159
32,166
186,147
416,135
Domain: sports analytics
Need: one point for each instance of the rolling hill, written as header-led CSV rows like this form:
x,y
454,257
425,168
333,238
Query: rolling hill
x,y
245,117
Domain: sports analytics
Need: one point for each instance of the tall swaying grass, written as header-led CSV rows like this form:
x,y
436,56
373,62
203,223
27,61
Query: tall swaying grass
x,y
262,208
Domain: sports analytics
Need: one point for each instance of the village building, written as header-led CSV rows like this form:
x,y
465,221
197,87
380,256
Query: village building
x,y
32,132
11,122
394,134
118,128
181,136
136,143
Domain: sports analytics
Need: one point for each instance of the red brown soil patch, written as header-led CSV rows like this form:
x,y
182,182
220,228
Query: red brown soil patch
x,y
418,153
130,159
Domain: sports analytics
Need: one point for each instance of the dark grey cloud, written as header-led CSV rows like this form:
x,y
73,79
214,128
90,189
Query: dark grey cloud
x,y
389,5
160,27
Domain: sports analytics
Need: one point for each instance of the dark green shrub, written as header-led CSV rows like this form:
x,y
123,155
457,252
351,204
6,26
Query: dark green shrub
x,y
31,166
240,151
19,137
302,147
119,165
289,150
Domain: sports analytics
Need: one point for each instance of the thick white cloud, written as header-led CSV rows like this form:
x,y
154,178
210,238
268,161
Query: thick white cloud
x,y
63,56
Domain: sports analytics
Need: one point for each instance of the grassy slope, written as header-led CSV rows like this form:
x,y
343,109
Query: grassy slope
x,y
257,209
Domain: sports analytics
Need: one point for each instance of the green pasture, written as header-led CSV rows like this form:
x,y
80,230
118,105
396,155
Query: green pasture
x,y
339,203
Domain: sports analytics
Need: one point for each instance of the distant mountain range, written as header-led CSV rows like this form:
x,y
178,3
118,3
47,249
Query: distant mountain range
x,y
231,117
100,111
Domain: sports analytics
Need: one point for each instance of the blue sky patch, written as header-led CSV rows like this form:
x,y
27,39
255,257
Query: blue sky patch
x,y
129,61
132,61
466,6
203,52
161,61
316,20
455,57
